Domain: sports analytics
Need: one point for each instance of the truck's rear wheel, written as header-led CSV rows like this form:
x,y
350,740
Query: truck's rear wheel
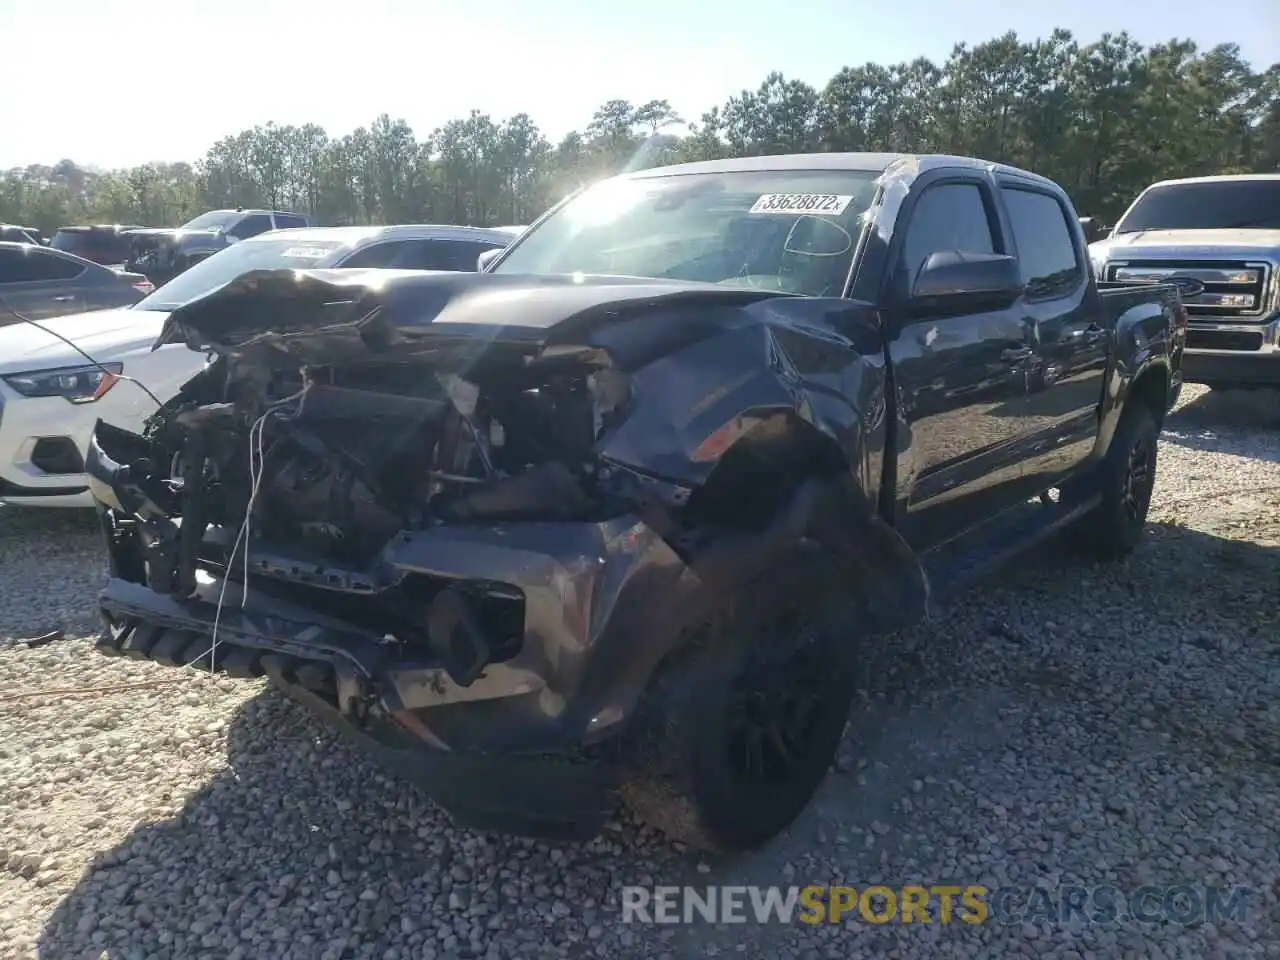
x,y
1127,478
737,734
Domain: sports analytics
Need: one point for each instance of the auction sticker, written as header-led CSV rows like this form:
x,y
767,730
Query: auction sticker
x,y
306,253
823,204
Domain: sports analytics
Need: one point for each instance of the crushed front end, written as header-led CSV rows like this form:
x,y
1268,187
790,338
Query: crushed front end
x,y
412,535
464,517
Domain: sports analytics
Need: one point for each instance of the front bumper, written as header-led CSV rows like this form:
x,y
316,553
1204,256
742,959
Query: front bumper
x,y
1233,354
512,746
348,680
24,423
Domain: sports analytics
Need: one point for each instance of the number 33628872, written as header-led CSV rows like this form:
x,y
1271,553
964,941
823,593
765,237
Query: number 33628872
x,y
799,203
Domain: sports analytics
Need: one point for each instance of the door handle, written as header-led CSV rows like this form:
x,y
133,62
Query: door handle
x,y
1015,354
1093,333
63,299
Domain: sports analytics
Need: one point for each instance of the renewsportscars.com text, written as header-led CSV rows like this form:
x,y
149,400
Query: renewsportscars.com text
x,y
935,903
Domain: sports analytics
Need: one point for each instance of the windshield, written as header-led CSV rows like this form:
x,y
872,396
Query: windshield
x,y
212,220
1208,205
790,231
225,265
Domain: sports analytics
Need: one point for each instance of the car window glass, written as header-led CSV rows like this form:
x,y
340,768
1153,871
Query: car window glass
x,y
36,265
1206,205
213,220
457,255
251,226
376,256
1046,252
9,260
285,221
948,216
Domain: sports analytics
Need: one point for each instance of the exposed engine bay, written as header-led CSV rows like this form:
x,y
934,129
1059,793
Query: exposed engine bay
x,y
300,480
344,458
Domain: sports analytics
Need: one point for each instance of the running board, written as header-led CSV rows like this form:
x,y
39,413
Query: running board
x,y
957,565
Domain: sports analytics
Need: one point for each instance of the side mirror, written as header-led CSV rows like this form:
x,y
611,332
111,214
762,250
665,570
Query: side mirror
x,y
487,258
953,279
1093,230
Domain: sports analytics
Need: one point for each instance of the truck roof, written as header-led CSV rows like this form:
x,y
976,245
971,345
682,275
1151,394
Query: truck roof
x,y
246,211
1219,178
874,162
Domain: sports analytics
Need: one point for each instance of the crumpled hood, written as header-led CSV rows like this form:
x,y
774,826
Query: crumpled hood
x,y
1199,244
334,315
102,334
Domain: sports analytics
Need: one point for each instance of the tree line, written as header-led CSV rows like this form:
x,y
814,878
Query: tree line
x,y
1103,119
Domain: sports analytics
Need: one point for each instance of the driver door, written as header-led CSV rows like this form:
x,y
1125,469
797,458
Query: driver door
x,y
962,378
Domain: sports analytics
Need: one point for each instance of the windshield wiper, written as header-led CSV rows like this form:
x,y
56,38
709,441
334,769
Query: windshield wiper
x,y
1265,223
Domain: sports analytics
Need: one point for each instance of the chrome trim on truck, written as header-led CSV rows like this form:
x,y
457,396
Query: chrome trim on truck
x,y
1233,289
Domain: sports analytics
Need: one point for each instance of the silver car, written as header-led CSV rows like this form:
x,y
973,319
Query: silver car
x,y
41,283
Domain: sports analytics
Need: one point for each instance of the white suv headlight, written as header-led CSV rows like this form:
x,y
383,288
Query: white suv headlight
x,y
73,384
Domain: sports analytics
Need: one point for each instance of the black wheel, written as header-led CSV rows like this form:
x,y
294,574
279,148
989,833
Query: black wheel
x,y
1127,477
737,733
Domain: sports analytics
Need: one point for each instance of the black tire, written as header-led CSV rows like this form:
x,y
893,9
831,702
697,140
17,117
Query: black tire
x,y
1126,478
702,770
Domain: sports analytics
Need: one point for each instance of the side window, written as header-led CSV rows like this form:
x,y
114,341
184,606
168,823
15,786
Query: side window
x,y
1046,251
31,267
251,226
377,256
456,255
9,262
286,221
948,216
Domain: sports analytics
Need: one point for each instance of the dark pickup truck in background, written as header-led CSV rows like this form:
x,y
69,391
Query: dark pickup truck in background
x,y
161,253
103,244
1222,234
611,520
12,233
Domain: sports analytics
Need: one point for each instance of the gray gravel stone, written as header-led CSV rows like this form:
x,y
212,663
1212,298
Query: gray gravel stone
x,y
1064,725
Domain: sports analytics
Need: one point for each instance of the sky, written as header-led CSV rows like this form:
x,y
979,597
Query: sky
x,y
123,82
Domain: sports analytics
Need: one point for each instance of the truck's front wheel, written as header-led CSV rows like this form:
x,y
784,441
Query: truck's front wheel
x,y
1127,477
738,733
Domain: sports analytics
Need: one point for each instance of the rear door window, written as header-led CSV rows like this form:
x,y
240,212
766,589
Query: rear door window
x,y
287,221
457,255
381,256
36,265
9,262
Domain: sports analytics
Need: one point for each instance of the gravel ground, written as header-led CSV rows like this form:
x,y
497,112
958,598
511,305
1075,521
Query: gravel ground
x,y
1073,724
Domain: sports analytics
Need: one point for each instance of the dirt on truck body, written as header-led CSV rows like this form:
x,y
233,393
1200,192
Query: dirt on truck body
x,y
610,519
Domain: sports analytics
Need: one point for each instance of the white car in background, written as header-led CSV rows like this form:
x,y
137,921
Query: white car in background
x,y
51,396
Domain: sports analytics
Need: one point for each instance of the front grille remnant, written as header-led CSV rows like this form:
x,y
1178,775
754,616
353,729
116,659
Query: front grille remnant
x,y
1231,288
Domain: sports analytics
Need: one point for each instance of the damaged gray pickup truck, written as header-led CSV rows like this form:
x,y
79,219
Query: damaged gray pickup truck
x,y
610,522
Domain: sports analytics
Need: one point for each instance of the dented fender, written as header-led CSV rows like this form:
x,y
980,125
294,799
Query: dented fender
x,y
787,377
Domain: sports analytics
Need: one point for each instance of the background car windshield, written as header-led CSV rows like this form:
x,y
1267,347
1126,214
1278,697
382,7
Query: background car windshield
x,y
225,265
1220,205
210,221
790,231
